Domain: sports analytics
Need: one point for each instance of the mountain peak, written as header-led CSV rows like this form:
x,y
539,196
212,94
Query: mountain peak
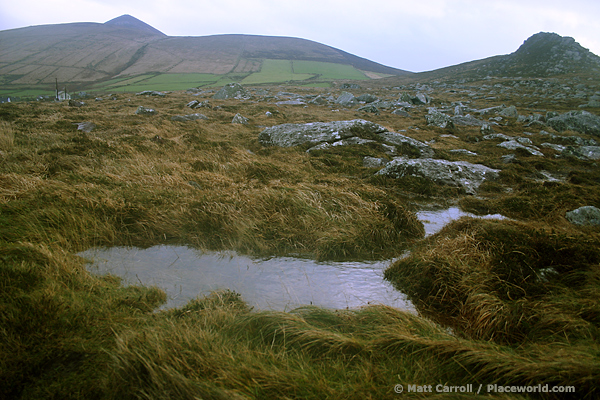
x,y
127,21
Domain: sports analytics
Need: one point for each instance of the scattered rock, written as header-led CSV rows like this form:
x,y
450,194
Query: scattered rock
x,y
370,108
579,121
458,174
441,120
510,112
319,100
86,127
463,151
75,103
346,100
367,98
232,91
582,152
467,120
189,117
141,110
401,112
239,119
398,139
287,135
513,145
291,103
151,93
587,215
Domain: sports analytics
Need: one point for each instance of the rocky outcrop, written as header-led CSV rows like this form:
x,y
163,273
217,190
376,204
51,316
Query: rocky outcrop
x,y
458,174
339,133
288,135
579,121
398,139
232,91
587,215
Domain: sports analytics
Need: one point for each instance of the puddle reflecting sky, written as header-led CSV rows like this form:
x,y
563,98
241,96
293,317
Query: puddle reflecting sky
x,y
280,283
434,221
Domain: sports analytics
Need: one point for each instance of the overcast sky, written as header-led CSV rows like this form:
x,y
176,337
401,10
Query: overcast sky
x,y
414,35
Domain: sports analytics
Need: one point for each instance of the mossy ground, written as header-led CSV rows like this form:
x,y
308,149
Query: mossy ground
x,y
511,302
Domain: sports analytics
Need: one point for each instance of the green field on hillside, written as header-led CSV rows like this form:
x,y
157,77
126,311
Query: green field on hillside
x,y
327,70
163,82
273,71
315,73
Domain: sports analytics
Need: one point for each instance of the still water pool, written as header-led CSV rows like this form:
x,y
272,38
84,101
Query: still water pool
x,y
280,283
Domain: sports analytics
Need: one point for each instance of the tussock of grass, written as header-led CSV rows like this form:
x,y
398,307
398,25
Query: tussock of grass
x,y
505,281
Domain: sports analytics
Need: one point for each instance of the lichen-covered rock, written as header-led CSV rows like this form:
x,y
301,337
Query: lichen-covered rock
x,y
441,120
239,119
510,112
587,215
397,139
513,145
288,135
579,121
346,100
141,110
232,91
458,174
367,98
343,142
369,108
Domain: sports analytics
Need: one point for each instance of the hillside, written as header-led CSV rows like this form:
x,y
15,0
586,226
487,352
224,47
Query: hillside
x,y
540,56
81,54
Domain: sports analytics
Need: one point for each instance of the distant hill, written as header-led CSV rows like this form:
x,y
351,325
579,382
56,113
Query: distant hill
x,y
542,55
86,53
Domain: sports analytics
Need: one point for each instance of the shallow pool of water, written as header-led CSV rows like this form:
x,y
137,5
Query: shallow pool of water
x,y
280,283
434,221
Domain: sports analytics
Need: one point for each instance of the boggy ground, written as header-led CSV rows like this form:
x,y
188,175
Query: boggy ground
x,y
500,302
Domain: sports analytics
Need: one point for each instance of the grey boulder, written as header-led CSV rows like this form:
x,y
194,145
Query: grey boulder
x,y
232,91
587,215
460,174
579,121
288,135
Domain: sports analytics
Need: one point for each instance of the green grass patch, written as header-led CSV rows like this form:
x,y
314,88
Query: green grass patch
x,y
273,71
327,71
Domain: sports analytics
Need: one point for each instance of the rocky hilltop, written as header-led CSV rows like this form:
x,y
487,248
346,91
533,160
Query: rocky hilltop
x,y
542,55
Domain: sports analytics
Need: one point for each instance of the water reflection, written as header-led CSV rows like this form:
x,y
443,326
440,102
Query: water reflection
x,y
434,221
280,283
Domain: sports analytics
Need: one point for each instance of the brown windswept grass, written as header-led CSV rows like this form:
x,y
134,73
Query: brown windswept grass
x,y
510,302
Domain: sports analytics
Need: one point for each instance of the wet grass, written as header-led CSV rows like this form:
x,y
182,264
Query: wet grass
x,y
500,302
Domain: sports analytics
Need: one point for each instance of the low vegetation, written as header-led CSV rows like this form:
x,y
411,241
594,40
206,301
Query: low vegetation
x,y
511,302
